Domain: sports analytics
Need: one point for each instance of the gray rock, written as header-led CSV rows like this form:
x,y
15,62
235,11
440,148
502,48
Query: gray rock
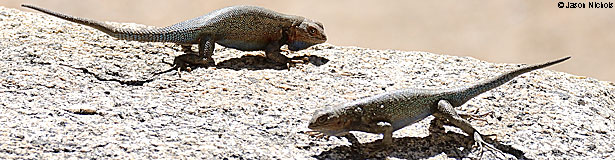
x,y
51,71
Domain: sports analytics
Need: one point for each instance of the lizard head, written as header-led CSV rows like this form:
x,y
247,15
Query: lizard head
x,y
330,121
306,34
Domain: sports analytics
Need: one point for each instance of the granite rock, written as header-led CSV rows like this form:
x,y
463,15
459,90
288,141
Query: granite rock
x,y
69,91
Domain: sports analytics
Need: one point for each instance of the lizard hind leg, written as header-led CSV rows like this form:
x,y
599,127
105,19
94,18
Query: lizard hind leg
x,y
186,48
206,48
446,110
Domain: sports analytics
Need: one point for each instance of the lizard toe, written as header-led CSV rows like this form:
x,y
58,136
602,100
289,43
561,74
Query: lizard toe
x,y
482,145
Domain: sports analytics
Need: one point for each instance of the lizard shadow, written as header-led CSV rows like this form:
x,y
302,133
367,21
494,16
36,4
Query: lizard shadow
x,y
453,145
253,62
245,62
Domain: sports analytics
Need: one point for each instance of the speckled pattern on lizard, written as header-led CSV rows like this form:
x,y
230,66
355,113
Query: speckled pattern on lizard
x,y
387,112
246,28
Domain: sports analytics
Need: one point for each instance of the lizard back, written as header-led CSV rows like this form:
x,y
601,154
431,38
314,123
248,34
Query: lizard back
x,y
399,107
407,106
217,23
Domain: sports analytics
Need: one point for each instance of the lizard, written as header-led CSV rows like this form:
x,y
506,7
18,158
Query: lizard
x,y
246,28
390,111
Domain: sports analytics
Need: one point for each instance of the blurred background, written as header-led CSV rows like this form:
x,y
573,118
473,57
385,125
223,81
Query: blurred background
x,y
524,31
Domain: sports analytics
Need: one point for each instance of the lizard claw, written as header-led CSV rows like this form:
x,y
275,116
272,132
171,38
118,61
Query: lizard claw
x,y
186,62
481,144
192,60
294,62
476,116
373,149
316,134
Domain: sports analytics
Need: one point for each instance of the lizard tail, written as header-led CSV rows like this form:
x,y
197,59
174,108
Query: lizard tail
x,y
466,93
120,33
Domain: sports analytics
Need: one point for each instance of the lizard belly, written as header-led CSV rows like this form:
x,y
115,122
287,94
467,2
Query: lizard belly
x,y
409,120
242,44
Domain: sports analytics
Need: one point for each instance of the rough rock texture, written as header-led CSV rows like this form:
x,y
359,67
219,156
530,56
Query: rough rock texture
x,y
70,91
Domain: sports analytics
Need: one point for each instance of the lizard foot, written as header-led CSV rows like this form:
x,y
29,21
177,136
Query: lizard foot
x,y
481,144
475,116
185,62
303,60
280,59
316,134
374,149
293,62
192,60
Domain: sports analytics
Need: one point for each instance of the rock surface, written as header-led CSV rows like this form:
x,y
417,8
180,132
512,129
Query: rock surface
x,y
69,91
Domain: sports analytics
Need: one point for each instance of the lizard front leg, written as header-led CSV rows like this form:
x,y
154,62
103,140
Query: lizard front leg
x,y
384,128
272,52
446,110
387,133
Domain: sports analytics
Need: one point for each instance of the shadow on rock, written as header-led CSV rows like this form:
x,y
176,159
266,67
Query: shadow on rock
x,y
123,82
252,62
249,62
453,145
404,148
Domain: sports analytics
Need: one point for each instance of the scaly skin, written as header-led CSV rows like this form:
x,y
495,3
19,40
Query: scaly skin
x,y
246,28
390,111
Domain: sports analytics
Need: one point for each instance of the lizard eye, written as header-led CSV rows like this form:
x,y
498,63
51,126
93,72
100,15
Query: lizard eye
x,y
322,119
312,30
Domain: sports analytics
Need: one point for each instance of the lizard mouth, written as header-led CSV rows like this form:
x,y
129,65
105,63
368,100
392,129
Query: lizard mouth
x,y
330,132
321,39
